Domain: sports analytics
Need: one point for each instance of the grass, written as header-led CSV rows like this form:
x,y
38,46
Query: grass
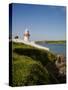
x,y
32,66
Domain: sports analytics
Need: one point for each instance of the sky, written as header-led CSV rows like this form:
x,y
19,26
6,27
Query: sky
x,y
43,22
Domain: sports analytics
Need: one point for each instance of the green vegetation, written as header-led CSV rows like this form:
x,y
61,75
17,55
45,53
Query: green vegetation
x,y
53,42
56,42
32,66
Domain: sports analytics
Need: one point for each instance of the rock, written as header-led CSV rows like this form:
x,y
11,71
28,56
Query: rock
x,y
61,64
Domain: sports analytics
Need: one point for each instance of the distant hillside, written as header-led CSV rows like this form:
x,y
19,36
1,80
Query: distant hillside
x,y
53,42
32,66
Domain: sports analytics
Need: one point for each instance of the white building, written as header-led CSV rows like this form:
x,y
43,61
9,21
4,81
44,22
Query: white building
x,y
26,35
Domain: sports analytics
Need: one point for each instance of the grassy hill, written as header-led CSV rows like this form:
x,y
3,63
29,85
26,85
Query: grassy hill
x,y
32,66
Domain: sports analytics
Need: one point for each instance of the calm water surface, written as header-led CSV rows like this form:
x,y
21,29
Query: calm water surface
x,y
55,48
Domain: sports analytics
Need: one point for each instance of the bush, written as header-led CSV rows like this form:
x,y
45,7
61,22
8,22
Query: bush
x,y
16,37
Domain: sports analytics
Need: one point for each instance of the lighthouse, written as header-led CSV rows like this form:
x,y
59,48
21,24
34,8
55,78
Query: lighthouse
x,y
26,35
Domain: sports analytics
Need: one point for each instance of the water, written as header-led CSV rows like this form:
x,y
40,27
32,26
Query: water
x,y
55,48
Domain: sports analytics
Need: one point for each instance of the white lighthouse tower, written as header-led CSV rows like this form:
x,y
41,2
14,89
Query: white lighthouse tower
x,y
26,35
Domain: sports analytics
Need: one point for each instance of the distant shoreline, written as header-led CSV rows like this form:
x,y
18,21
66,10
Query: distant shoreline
x,y
52,42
